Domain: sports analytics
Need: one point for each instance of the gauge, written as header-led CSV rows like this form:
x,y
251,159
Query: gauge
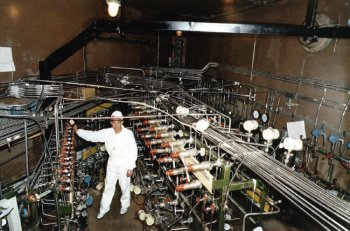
x,y
256,114
264,117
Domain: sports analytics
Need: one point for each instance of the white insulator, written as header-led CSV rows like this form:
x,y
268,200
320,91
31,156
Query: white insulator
x,y
298,145
132,187
149,220
292,144
182,110
99,186
288,143
270,134
137,189
250,125
276,134
202,125
142,215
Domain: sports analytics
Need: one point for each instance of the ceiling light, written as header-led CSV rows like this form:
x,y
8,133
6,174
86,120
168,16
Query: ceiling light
x,y
113,7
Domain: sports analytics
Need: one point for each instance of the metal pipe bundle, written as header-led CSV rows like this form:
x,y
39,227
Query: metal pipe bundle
x,y
330,212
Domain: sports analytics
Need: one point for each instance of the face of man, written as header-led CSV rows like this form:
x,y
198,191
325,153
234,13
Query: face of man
x,y
117,125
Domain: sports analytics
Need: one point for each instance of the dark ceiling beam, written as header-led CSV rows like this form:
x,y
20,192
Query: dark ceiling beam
x,y
240,28
228,28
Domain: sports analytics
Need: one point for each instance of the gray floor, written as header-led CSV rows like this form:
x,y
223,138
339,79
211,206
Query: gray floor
x,y
114,221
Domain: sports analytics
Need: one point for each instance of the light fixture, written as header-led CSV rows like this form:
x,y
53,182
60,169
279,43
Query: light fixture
x,y
113,7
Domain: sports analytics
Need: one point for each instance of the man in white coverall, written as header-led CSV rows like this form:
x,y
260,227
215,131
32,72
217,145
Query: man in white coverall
x,y
121,147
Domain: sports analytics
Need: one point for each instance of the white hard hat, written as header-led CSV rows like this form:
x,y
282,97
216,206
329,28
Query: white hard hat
x,y
117,114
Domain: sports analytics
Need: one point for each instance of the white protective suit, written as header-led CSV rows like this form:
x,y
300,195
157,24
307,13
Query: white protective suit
x,y
122,152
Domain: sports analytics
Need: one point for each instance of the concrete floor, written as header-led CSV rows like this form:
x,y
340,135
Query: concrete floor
x,y
113,220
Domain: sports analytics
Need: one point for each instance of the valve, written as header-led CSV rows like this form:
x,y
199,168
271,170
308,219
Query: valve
x,y
136,189
316,133
249,126
143,216
334,139
291,144
269,135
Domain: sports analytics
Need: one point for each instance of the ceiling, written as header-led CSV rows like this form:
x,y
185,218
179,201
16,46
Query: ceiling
x,y
193,10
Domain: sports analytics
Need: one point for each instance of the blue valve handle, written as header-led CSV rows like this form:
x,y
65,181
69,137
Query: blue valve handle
x,y
87,180
317,132
334,139
89,201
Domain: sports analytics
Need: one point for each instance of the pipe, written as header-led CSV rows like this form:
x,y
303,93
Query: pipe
x,y
57,211
192,185
27,154
187,203
188,153
327,211
259,214
190,168
129,68
240,208
175,221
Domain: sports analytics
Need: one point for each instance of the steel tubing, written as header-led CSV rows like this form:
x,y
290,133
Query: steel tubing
x,y
292,185
328,211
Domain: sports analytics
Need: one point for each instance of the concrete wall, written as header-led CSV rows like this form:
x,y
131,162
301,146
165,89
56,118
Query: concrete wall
x,y
285,56
35,28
